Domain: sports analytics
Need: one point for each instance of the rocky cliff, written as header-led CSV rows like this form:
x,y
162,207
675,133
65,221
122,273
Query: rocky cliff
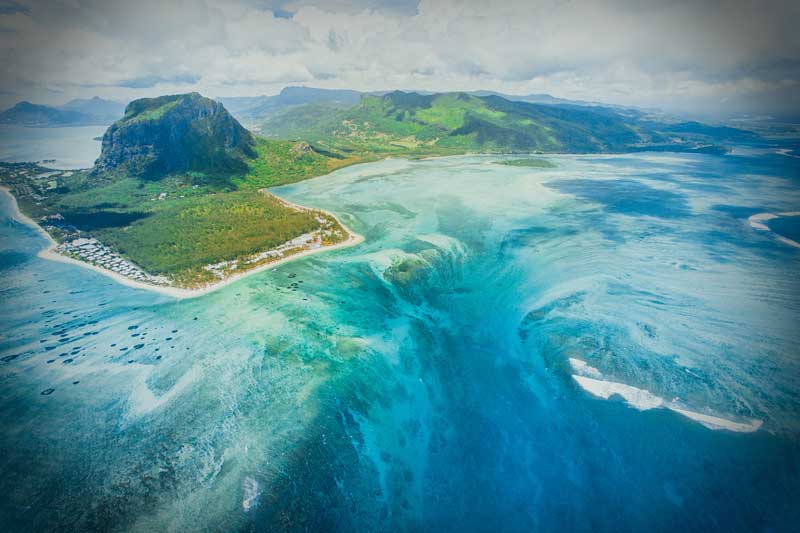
x,y
174,134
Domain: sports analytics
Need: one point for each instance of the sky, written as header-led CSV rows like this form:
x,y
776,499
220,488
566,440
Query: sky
x,y
697,57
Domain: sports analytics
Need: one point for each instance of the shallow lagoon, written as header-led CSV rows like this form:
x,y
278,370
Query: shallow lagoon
x,y
422,380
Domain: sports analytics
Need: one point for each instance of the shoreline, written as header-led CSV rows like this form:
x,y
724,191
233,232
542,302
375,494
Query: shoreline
x,y
22,218
49,253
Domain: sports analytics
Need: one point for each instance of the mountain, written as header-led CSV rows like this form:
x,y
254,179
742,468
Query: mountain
x,y
251,110
403,122
462,122
726,133
536,98
174,134
28,114
306,95
78,112
255,110
106,110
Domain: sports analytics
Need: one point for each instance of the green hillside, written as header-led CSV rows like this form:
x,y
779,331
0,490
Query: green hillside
x,y
401,122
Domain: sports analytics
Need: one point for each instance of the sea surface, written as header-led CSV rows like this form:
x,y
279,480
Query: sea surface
x,y
447,374
71,147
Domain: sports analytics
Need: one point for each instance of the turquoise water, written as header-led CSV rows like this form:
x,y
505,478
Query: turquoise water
x,y
421,380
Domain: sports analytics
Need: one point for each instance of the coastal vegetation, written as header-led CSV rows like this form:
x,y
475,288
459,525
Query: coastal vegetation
x,y
283,162
531,162
182,235
173,204
171,227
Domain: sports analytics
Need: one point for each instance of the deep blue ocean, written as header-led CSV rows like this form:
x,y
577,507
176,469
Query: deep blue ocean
x,y
608,345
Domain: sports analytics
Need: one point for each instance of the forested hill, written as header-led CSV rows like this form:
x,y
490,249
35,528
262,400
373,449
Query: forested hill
x,y
176,133
459,122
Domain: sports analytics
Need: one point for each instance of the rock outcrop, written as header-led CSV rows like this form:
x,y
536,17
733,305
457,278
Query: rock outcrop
x,y
175,134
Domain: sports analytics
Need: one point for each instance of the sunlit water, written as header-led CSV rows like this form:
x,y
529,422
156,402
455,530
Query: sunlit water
x,y
421,380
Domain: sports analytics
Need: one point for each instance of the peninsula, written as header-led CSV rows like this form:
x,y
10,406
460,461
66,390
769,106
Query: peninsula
x,y
176,202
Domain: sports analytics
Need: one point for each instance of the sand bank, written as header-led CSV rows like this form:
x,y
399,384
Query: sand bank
x,y
644,400
758,222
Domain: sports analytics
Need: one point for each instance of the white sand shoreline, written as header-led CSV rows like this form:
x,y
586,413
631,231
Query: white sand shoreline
x,y
51,254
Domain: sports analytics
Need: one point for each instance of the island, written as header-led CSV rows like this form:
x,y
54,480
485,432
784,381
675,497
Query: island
x,y
178,201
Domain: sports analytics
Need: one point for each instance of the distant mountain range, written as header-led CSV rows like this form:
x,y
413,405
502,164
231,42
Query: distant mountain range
x,y
78,112
109,110
254,110
402,122
535,98
251,110
190,133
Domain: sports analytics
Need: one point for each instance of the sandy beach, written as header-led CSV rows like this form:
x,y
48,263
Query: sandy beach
x,y
19,216
51,254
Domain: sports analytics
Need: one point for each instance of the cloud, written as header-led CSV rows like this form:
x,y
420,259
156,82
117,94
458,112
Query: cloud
x,y
9,7
692,56
400,7
146,82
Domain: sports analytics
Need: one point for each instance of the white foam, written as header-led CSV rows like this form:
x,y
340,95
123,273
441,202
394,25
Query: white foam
x,y
444,242
637,398
714,422
580,366
381,260
786,152
143,401
758,222
249,493
644,400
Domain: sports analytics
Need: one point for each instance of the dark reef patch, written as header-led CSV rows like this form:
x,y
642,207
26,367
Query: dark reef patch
x,y
627,197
